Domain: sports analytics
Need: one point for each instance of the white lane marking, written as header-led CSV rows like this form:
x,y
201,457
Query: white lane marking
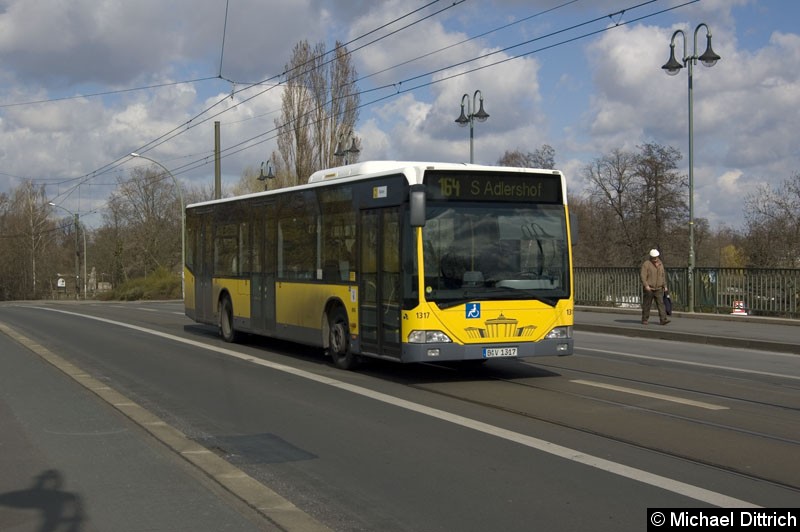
x,y
643,393
698,364
639,475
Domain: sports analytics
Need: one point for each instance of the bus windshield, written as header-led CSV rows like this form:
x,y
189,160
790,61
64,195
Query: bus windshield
x,y
498,251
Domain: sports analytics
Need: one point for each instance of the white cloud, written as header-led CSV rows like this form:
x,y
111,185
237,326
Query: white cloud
x,y
729,182
584,98
741,107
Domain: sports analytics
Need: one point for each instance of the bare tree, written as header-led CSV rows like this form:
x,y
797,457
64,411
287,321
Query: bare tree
x,y
145,216
772,217
659,193
544,157
723,249
643,192
30,202
7,244
249,182
201,192
612,187
592,247
109,251
319,107
25,234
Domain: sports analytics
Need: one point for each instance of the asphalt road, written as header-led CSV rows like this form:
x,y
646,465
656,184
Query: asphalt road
x,y
130,417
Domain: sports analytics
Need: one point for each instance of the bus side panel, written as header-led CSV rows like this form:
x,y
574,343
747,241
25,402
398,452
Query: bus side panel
x,y
300,309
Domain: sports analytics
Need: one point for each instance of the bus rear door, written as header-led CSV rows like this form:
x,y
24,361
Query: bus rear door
x,y
203,273
262,295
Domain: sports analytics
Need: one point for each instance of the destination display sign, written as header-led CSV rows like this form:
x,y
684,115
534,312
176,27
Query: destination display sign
x,y
481,186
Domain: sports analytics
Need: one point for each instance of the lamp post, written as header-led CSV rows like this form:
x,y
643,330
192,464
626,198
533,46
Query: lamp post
x,y
470,118
183,216
77,253
341,151
269,175
672,67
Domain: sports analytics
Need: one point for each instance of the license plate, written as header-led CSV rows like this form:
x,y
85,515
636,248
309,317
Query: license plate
x,y
491,352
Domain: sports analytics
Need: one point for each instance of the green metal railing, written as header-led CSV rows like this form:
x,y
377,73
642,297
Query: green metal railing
x,y
763,292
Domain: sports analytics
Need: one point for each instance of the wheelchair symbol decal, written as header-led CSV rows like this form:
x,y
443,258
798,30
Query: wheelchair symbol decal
x,y
473,311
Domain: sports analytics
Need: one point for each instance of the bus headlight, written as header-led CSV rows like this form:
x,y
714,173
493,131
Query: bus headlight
x,y
559,333
428,337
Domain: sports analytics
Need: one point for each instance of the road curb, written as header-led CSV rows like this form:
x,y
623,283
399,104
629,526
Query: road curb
x,y
696,315
664,333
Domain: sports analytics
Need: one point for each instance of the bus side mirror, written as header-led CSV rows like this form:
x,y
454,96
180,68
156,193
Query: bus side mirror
x,y
416,197
573,228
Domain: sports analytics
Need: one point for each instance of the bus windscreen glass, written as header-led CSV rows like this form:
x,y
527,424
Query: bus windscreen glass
x,y
495,252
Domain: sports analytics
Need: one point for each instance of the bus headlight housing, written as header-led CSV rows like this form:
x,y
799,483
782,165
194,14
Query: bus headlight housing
x,y
428,337
559,333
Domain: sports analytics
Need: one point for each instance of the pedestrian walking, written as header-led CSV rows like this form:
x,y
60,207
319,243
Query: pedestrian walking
x,y
654,285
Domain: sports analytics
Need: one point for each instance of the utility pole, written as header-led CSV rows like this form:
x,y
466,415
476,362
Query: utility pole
x,y
77,259
77,248
217,167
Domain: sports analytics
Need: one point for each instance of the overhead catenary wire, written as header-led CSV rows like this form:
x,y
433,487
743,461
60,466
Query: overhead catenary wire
x,y
108,93
398,87
469,39
194,122
529,41
228,151
258,139
224,31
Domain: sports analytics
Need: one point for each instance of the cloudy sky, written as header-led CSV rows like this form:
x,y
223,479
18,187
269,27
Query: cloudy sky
x,y
84,83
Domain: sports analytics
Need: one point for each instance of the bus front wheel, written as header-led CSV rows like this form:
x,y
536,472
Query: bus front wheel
x,y
339,340
226,328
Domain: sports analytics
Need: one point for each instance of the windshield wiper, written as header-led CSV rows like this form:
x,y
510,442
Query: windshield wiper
x,y
511,293
450,303
515,293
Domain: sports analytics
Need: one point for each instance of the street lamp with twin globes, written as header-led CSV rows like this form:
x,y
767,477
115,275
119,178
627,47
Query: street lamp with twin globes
x,y
672,67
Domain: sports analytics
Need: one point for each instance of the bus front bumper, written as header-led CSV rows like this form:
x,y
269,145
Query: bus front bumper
x,y
449,352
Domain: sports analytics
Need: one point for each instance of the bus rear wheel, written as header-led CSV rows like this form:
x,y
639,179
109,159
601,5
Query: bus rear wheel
x,y
339,340
226,328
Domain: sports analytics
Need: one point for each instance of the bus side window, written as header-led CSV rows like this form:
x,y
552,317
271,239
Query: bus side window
x,y
244,252
297,239
226,250
338,226
330,271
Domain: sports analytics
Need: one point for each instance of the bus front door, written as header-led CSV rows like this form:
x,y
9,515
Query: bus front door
x,y
380,282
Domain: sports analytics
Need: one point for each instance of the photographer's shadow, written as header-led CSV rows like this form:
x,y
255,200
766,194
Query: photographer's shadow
x,y
60,511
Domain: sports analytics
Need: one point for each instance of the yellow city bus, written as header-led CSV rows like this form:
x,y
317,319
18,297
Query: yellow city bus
x,y
403,261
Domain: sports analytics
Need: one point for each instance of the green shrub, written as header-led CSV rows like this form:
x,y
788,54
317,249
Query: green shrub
x,y
161,284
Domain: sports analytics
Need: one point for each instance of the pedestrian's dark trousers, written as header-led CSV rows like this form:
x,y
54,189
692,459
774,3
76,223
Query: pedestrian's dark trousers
x,y
647,303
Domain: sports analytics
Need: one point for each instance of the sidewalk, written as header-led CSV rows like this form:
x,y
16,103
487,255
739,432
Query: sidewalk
x,y
72,462
755,332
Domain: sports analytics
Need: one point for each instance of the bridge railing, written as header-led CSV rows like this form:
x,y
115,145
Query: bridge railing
x,y
763,292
